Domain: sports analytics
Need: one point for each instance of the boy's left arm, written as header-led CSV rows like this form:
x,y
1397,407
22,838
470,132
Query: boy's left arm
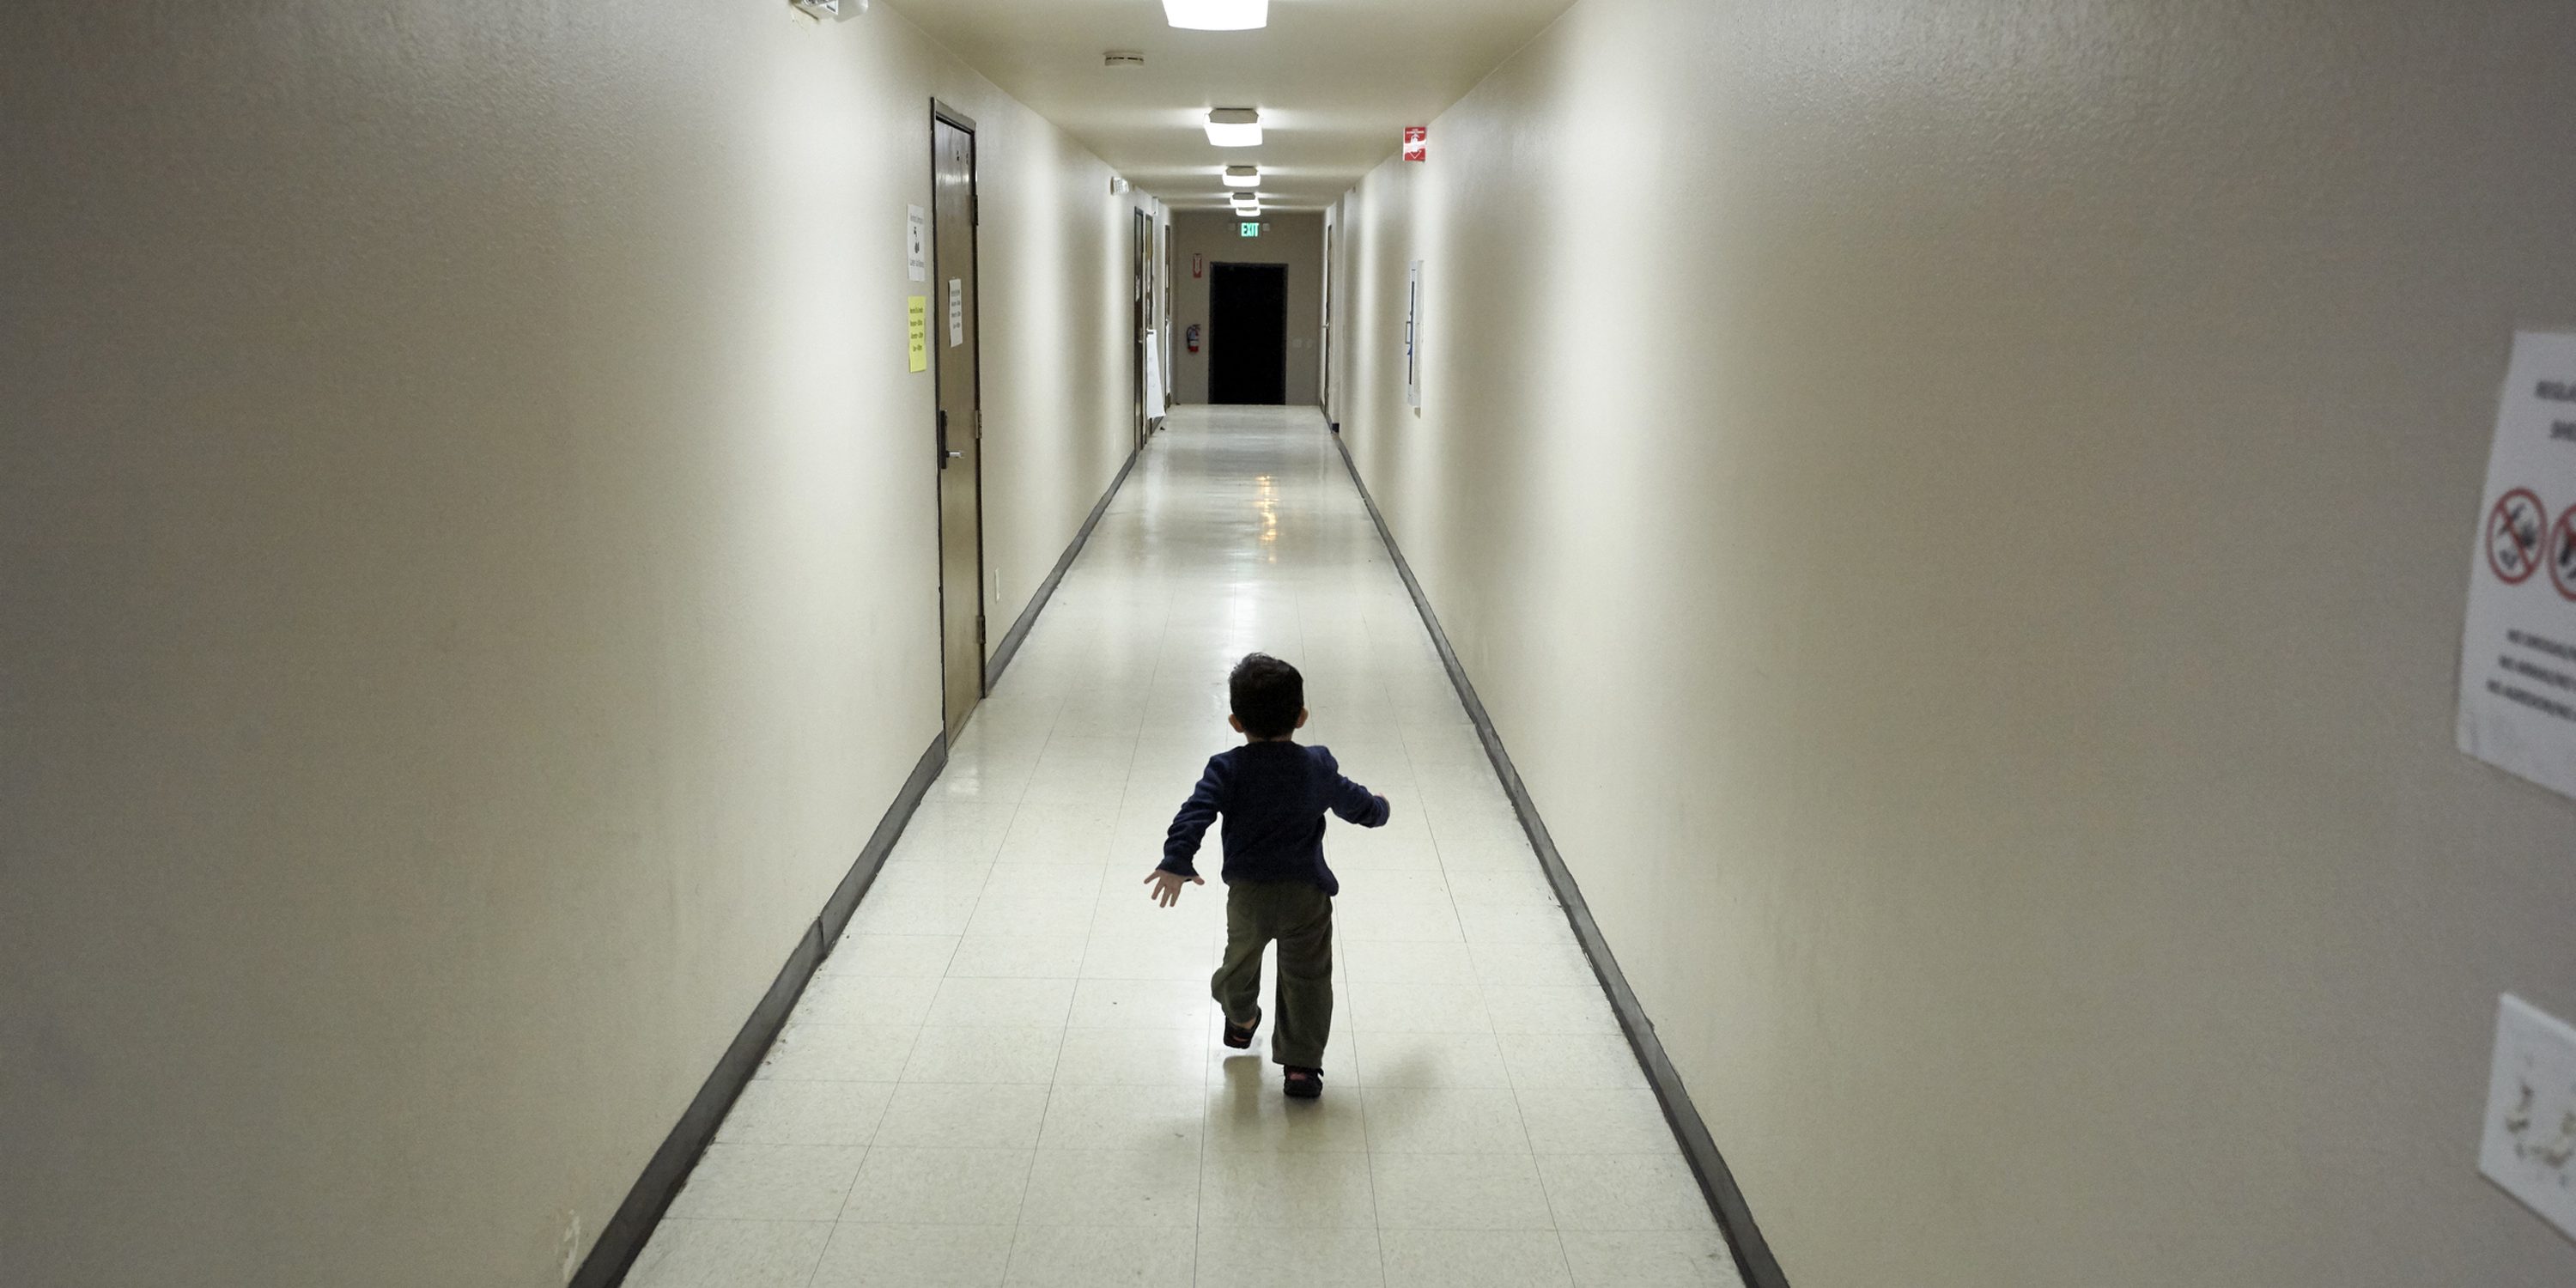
x,y
1355,804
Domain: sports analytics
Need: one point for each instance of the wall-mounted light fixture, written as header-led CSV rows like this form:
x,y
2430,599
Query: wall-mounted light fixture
x,y
1217,15
1243,176
1234,127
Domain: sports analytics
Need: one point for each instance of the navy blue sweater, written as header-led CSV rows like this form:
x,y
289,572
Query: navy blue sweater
x,y
1273,796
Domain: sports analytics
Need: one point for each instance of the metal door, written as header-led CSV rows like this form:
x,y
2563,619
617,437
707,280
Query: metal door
x,y
959,431
1247,333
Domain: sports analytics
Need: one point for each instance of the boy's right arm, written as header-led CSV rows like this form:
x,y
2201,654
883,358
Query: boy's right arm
x,y
1189,827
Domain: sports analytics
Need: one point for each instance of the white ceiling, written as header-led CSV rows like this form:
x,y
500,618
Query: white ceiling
x,y
1336,81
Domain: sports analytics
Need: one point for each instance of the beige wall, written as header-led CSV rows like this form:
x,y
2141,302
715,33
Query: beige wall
x,y
1293,239
466,590
1961,513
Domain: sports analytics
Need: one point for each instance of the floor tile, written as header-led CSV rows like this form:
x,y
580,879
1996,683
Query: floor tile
x,y
1612,1120
1148,958
918,1186
1577,1060
1286,1189
896,955
1249,1115
990,1003
1416,1008
996,956
769,1182
914,915
915,1256
1163,1057
866,999
1410,963
1556,1008
1270,1257
1459,1192
687,1253
774,1111
1444,1120
958,1115
1474,1259
1017,1053
1141,1004
1124,1117
1411,1059
1650,1259
1102,1257
1103,1187
1531,964
838,1052
1624,1192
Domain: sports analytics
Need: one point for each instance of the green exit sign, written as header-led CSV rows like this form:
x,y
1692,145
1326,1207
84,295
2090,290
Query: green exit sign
x,y
1251,230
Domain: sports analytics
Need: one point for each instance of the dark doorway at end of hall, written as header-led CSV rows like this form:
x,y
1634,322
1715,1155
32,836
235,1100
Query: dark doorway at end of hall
x,y
1248,334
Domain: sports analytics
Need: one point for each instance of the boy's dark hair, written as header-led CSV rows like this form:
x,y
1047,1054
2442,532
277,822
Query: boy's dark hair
x,y
1268,694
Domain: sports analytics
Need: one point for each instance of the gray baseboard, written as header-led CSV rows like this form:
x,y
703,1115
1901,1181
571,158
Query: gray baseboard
x,y
1019,632
623,1238
1753,1259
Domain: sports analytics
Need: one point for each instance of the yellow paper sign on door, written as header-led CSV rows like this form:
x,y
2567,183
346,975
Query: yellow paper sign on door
x,y
918,307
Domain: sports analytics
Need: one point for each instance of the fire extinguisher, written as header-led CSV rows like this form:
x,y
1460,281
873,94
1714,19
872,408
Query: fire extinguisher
x,y
1193,337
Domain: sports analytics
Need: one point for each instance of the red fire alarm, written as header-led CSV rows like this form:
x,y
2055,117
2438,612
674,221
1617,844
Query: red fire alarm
x,y
1198,265
1417,143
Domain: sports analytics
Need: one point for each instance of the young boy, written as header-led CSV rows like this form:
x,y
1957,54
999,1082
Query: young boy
x,y
1273,794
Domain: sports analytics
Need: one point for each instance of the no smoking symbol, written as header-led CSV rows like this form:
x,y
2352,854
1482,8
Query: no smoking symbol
x,y
2514,530
2562,554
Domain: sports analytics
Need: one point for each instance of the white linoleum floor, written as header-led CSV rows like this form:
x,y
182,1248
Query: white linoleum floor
x,y
1008,1072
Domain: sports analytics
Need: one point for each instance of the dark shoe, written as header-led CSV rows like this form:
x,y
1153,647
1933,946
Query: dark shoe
x,y
1239,1036
1301,1083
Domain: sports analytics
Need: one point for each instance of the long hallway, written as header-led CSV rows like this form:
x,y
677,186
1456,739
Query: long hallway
x,y
1008,1069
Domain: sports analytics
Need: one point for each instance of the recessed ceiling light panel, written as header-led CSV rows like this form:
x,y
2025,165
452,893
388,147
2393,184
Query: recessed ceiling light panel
x,y
1217,15
1243,176
1234,127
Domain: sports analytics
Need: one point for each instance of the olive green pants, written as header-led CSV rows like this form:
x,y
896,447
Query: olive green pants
x,y
1300,917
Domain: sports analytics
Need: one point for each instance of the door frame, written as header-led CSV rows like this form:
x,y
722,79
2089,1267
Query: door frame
x,y
939,113
1143,259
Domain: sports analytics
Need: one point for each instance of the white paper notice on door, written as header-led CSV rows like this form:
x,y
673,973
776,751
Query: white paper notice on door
x,y
2518,645
956,311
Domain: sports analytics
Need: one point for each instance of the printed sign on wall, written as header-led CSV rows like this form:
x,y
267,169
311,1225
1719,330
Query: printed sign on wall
x,y
1417,143
916,242
2518,645
917,322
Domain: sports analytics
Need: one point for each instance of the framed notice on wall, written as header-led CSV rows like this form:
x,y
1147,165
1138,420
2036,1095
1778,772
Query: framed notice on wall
x,y
2518,643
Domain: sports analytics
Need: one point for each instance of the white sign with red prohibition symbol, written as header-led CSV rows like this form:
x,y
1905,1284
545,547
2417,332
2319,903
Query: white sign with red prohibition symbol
x,y
2518,644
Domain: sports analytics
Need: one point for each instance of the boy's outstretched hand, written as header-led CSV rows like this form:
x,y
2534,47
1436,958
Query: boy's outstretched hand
x,y
1167,886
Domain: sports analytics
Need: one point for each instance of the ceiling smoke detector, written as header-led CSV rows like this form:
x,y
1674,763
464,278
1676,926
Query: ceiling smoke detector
x,y
1122,58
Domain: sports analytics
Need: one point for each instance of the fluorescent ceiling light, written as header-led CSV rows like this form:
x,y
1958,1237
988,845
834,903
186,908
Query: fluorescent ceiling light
x,y
1234,127
1217,15
1243,176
